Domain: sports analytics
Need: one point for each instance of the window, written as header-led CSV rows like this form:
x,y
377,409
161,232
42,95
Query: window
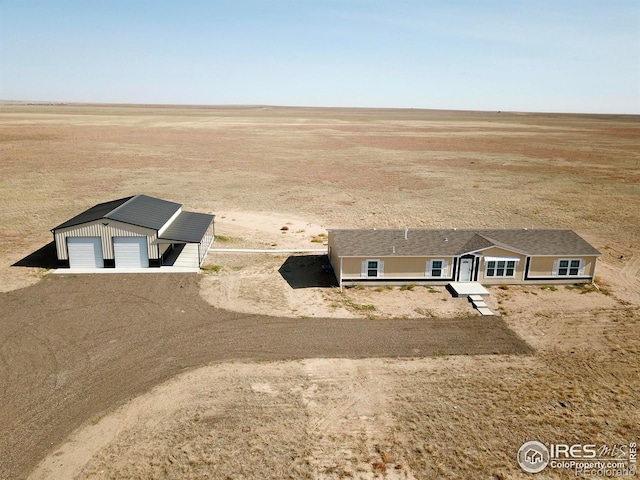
x,y
500,268
569,267
436,268
372,268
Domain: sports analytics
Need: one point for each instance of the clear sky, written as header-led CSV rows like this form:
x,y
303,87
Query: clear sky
x,y
525,55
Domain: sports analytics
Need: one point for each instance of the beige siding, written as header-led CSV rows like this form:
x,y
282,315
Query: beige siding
x,y
501,252
543,266
395,267
334,260
105,232
351,267
333,253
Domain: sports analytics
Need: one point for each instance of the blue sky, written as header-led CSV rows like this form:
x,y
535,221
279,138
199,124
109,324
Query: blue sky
x,y
537,55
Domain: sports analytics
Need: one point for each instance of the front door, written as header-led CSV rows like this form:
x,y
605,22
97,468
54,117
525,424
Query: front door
x,y
466,265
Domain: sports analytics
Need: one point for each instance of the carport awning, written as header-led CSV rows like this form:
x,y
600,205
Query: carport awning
x,y
188,227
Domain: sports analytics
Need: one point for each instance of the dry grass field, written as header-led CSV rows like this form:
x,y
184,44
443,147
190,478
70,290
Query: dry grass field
x,y
430,416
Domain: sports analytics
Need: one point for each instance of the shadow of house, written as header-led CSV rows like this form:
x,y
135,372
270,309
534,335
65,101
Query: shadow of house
x,y
44,257
305,271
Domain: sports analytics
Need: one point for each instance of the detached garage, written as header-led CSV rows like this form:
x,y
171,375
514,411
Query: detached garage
x,y
134,232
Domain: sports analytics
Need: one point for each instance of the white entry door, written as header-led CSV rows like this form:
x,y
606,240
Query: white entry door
x,y
130,252
85,252
466,265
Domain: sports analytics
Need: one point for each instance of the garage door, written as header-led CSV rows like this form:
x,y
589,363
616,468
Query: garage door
x,y
130,252
85,252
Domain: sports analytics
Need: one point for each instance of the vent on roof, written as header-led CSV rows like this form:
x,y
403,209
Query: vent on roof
x,y
446,239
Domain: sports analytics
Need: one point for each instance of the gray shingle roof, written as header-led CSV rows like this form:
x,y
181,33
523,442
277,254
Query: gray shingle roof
x,y
188,227
428,242
144,211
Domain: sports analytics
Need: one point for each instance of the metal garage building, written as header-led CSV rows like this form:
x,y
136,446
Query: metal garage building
x,y
134,232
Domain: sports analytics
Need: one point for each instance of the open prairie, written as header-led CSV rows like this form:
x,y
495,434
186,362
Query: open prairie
x,y
118,391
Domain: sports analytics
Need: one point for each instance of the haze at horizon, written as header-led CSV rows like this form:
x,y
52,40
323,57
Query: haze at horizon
x,y
551,56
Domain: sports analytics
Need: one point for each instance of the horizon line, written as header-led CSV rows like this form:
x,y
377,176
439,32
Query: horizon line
x,y
266,106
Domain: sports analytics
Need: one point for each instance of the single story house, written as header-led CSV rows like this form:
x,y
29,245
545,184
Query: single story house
x,y
438,257
133,232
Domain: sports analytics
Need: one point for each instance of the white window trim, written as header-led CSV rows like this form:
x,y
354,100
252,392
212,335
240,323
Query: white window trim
x,y
556,268
500,259
365,268
444,269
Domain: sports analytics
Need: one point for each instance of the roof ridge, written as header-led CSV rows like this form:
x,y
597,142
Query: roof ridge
x,y
106,215
489,239
504,245
467,247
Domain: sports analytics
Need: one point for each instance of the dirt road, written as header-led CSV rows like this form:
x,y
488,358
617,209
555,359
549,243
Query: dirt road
x,y
74,347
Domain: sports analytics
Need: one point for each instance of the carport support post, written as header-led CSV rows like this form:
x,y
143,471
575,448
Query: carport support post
x,y
340,276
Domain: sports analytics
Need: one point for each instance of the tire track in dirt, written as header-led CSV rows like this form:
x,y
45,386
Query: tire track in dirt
x,y
622,266
348,405
631,279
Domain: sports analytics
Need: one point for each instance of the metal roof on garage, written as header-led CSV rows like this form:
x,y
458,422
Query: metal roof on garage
x,y
144,211
96,212
147,212
188,227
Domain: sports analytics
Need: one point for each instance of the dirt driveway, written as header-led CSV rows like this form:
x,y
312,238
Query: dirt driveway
x,y
74,347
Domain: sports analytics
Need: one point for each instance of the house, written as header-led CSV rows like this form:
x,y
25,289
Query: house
x,y
438,257
134,232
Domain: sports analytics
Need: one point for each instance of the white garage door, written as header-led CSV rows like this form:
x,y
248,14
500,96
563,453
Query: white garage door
x,y
85,252
130,252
